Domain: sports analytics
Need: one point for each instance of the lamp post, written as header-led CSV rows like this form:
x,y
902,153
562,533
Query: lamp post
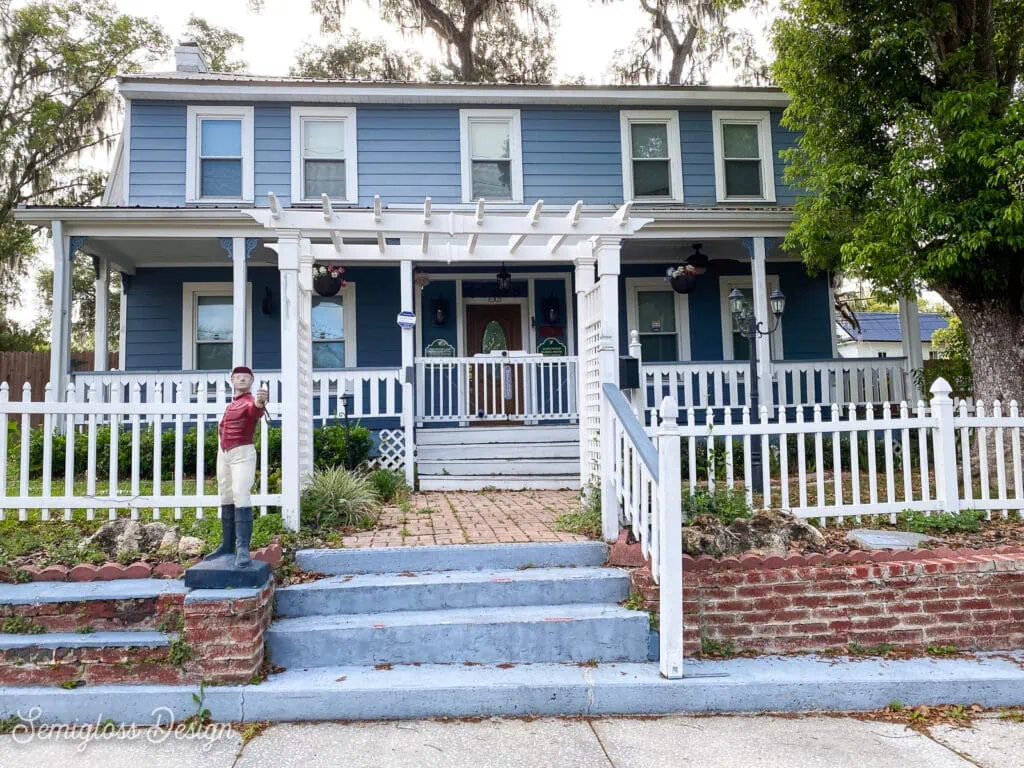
x,y
746,324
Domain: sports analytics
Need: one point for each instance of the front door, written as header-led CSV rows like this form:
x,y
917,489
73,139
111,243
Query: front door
x,y
495,391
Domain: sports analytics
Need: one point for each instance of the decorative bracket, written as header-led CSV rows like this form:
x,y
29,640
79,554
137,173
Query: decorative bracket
x,y
76,243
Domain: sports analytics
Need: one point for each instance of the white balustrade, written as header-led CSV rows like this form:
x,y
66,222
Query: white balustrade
x,y
494,388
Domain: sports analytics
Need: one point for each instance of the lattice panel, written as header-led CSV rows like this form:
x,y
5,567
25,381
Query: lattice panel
x,y
590,373
391,450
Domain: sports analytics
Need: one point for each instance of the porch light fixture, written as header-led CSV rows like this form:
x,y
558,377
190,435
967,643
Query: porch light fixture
x,y
551,310
439,310
777,301
504,279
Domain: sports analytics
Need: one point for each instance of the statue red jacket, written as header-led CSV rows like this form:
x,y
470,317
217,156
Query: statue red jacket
x,y
238,424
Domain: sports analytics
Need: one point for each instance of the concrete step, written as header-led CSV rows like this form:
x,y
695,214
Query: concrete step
x,y
500,451
456,557
380,593
564,482
70,640
569,633
513,434
538,465
40,592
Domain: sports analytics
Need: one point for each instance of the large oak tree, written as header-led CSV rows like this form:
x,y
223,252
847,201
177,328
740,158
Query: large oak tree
x,y
912,157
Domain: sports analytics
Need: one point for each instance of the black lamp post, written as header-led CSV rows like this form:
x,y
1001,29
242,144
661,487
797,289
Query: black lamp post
x,y
746,324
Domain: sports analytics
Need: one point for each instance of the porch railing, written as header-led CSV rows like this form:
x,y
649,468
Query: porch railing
x,y
368,392
527,388
646,476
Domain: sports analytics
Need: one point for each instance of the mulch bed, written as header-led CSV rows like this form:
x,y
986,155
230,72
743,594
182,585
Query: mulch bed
x,y
994,533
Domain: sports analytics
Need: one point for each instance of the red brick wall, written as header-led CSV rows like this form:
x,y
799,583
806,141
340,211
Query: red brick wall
x,y
975,602
222,639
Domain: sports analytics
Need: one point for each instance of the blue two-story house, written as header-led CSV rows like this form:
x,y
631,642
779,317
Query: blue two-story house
x,y
423,255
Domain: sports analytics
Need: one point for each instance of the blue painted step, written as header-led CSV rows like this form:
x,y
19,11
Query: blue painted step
x,y
572,633
118,639
459,557
380,593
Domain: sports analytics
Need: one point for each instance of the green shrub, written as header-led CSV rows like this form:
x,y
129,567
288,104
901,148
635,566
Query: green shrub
x,y
724,503
389,485
336,497
967,521
334,446
586,520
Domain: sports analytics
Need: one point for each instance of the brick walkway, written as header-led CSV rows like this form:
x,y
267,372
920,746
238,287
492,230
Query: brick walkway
x,y
479,517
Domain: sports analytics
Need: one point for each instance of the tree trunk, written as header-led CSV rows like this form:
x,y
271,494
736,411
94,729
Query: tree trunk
x,y
995,330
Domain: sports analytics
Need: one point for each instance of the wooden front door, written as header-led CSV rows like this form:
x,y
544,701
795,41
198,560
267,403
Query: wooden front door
x,y
494,392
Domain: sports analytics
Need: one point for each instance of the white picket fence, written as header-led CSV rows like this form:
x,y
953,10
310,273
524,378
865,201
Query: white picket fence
x,y
647,490
174,409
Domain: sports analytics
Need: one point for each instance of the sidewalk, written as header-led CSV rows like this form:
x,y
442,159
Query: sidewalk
x,y
669,742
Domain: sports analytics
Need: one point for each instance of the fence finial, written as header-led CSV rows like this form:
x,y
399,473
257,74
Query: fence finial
x,y
941,388
669,411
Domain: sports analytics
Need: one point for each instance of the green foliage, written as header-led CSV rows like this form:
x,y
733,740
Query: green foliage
x,y
217,43
586,520
334,447
881,649
912,130
967,521
338,498
180,652
20,625
941,650
354,58
724,503
716,648
389,485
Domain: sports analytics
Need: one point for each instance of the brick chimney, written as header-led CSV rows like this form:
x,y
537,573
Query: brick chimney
x,y
188,57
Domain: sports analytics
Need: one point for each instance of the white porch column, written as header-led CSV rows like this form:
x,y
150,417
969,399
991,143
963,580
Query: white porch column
x,y
288,265
584,282
764,347
59,342
608,257
408,367
910,335
239,344
101,347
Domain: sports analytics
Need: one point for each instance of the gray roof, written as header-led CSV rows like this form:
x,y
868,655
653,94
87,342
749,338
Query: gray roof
x,y
885,326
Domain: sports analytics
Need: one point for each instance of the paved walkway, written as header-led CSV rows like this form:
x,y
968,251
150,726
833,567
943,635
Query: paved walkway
x,y
479,517
670,742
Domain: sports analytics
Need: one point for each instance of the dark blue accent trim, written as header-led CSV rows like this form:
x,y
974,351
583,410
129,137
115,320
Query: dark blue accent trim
x,y
227,244
634,429
250,245
748,243
76,243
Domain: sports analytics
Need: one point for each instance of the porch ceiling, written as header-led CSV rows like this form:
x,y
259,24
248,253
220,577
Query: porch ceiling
x,y
674,249
128,253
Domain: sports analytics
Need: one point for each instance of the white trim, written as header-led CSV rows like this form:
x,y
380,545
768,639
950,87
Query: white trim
x,y
218,112
348,311
509,116
670,119
520,301
189,292
344,115
126,153
762,120
531,308
682,308
219,87
725,284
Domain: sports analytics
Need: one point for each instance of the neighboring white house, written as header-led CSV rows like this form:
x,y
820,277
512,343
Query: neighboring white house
x,y
879,335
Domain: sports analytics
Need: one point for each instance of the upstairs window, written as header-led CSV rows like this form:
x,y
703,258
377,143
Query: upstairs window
x,y
220,154
744,167
324,154
492,161
651,156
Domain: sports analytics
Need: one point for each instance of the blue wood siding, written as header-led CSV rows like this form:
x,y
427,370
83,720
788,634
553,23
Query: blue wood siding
x,y
157,154
154,325
806,326
408,153
272,154
571,154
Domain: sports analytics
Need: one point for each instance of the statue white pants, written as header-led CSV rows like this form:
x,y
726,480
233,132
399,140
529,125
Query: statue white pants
x,y
236,472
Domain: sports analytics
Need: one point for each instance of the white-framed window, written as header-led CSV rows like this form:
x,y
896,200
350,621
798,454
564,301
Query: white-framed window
x,y
490,142
334,329
734,345
207,330
661,317
219,152
652,166
324,155
744,161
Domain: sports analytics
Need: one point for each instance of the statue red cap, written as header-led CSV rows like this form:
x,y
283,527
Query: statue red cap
x,y
242,369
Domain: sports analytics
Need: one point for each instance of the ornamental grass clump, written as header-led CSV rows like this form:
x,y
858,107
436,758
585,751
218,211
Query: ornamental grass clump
x,y
337,498
389,484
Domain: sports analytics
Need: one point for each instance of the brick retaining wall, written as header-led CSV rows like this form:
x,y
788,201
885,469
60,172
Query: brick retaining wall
x,y
974,601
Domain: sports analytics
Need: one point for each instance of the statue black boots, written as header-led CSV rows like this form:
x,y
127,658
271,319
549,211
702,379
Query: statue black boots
x,y
243,534
227,532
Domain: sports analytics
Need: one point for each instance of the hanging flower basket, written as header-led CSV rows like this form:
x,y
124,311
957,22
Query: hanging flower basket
x,y
328,280
680,280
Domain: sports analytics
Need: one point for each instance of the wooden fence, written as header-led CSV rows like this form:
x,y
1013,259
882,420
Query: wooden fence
x,y
19,368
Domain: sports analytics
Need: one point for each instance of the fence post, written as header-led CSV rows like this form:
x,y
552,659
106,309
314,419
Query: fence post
x,y
670,561
638,398
946,492
609,497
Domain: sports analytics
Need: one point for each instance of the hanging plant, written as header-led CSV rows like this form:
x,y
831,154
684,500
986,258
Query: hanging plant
x,y
683,279
327,279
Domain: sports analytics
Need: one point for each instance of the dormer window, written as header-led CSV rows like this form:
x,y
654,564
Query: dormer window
x,y
651,156
744,167
492,157
324,154
219,146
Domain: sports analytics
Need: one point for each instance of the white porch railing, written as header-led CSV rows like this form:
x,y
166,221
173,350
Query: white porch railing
x,y
167,412
647,491
529,388
723,384
370,392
